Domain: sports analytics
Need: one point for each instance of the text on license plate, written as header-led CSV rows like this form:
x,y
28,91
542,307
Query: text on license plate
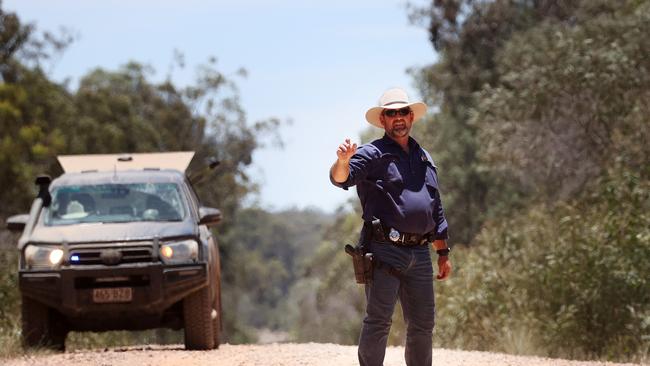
x,y
117,294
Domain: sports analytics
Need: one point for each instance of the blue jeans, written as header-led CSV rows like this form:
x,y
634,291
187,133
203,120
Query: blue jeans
x,y
414,288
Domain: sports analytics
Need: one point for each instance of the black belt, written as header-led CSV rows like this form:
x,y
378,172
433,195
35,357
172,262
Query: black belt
x,y
386,234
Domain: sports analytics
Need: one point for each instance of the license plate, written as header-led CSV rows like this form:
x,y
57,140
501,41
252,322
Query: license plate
x,y
109,295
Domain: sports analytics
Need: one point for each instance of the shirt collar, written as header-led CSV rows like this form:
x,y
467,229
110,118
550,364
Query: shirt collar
x,y
413,145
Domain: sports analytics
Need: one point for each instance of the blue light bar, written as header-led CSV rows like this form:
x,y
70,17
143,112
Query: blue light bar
x,y
74,258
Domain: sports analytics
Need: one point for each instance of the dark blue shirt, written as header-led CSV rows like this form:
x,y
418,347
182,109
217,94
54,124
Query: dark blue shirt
x,y
399,188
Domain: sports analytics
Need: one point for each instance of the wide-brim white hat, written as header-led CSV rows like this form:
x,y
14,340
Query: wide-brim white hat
x,y
395,98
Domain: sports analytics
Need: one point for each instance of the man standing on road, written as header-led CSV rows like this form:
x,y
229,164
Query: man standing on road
x,y
397,184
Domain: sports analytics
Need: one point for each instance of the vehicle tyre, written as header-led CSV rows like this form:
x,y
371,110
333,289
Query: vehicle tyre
x,y
197,316
216,322
41,326
58,331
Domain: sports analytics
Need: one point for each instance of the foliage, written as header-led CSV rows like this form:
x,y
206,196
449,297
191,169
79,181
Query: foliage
x,y
326,304
262,258
33,110
571,100
566,280
9,296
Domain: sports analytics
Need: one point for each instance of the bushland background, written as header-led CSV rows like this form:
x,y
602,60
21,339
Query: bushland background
x,y
540,128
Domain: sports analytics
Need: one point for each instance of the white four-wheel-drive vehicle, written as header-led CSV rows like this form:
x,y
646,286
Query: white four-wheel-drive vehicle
x,y
119,242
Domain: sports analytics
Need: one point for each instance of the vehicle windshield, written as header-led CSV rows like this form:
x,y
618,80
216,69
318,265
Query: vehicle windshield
x,y
108,203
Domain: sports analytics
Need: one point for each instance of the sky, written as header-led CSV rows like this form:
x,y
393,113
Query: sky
x,y
319,64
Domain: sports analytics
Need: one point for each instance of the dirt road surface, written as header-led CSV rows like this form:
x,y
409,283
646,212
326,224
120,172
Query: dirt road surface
x,y
279,354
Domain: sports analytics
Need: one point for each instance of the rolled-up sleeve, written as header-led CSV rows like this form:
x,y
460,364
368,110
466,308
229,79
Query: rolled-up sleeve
x,y
359,166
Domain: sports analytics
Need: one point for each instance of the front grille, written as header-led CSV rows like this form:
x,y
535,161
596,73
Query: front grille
x,y
111,254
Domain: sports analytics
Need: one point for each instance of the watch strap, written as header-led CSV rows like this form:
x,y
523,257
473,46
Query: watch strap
x,y
443,252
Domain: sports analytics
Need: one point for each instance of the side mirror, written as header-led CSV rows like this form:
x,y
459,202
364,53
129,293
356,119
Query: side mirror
x,y
209,216
17,223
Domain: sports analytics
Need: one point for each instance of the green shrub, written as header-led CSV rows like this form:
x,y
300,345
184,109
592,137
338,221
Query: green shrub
x,y
9,295
569,280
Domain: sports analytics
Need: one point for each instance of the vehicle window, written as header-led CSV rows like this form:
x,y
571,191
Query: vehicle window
x,y
116,203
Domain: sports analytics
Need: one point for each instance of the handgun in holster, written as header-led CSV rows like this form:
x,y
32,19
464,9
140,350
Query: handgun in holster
x,y
362,260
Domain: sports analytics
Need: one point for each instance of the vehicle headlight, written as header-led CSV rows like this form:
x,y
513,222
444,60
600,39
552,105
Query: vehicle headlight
x,y
180,251
37,256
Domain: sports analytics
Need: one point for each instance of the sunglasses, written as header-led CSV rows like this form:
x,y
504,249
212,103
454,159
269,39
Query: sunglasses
x,y
394,112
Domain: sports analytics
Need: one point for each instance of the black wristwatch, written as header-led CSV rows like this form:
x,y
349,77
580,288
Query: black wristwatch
x,y
443,252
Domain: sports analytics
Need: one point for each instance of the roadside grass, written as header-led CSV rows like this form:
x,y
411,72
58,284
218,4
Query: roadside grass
x,y
93,340
9,296
10,343
520,341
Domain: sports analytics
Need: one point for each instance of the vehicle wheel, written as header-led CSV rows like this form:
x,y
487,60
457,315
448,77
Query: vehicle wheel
x,y
58,331
42,327
197,316
217,324
216,321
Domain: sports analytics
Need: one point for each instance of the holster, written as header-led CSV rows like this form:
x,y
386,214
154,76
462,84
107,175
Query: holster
x,y
362,264
362,260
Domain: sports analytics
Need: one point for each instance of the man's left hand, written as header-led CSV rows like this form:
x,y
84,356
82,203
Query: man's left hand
x,y
444,268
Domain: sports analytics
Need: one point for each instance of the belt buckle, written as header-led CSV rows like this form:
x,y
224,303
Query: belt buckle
x,y
394,235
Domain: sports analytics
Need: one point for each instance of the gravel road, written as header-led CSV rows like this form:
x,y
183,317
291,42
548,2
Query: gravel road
x,y
285,354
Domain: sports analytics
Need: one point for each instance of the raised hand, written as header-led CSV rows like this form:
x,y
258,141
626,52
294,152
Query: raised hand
x,y
346,150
